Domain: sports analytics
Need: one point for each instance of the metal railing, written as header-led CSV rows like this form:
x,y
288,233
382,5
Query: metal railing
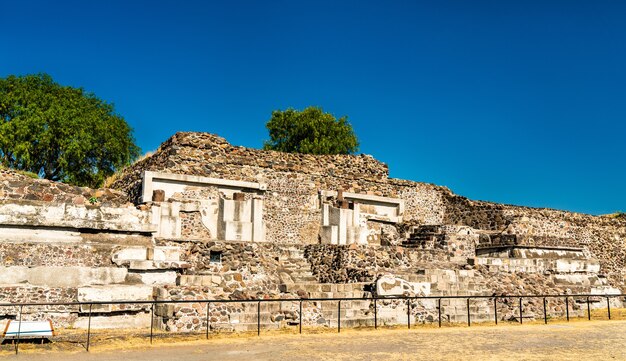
x,y
587,299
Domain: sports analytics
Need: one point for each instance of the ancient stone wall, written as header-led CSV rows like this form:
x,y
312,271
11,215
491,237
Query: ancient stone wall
x,y
192,227
237,269
292,204
345,264
62,255
15,187
292,208
603,236
62,243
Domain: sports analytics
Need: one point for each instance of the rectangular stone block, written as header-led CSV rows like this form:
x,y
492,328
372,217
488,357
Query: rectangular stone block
x,y
142,265
153,278
164,253
128,254
184,280
165,310
54,276
115,293
199,280
235,231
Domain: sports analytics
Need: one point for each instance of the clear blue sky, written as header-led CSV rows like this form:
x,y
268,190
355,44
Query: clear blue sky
x,y
515,102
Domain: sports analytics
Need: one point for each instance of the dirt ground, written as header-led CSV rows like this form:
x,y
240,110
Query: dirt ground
x,y
580,340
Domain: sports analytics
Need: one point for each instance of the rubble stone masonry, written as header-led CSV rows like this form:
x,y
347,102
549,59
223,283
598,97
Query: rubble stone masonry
x,y
60,243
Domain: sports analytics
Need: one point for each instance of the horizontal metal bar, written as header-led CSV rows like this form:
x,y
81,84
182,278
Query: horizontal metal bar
x,y
298,300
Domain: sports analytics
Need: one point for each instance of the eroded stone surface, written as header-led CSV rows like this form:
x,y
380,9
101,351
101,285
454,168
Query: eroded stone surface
x,y
260,228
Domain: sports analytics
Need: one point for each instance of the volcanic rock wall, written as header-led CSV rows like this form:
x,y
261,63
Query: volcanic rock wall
x,y
60,243
292,203
603,236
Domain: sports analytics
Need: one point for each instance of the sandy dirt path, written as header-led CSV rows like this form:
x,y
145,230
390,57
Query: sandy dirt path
x,y
595,340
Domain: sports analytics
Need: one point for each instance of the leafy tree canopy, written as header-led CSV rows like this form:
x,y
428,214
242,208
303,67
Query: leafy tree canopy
x,y
310,131
61,133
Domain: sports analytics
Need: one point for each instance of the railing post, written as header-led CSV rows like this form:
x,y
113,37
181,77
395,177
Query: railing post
x,y
258,319
439,310
152,321
374,299
300,323
208,319
495,309
88,327
19,330
375,315
339,317
408,313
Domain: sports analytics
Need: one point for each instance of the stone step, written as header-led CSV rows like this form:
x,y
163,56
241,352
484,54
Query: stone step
x,y
367,321
537,265
244,327
359,322
322,287
434,228
157,265
293,257
297,271
129,254
355,294
463,310
295,266
332,314
462,318
415,278
298,261
56,276
353,305
199,280
159,277
266,307
300,273
251,317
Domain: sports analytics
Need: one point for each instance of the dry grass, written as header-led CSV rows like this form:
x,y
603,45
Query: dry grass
x,y
118,174
558,340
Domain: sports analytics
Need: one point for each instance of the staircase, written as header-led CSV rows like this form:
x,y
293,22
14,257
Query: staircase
x,y
294,267
425,237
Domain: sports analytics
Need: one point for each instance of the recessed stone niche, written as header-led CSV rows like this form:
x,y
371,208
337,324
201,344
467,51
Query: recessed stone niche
x,y
215,257
353,217
233,211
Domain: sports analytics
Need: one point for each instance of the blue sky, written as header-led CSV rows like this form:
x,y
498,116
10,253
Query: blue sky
x,y
514,102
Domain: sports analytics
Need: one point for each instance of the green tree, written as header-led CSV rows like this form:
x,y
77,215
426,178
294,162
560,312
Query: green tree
x,y
61,133
310,131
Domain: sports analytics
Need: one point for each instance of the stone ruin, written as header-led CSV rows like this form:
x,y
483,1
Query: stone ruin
x,y
202,219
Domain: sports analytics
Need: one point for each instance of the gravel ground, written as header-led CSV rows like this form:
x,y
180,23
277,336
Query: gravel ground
x,y
581,340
